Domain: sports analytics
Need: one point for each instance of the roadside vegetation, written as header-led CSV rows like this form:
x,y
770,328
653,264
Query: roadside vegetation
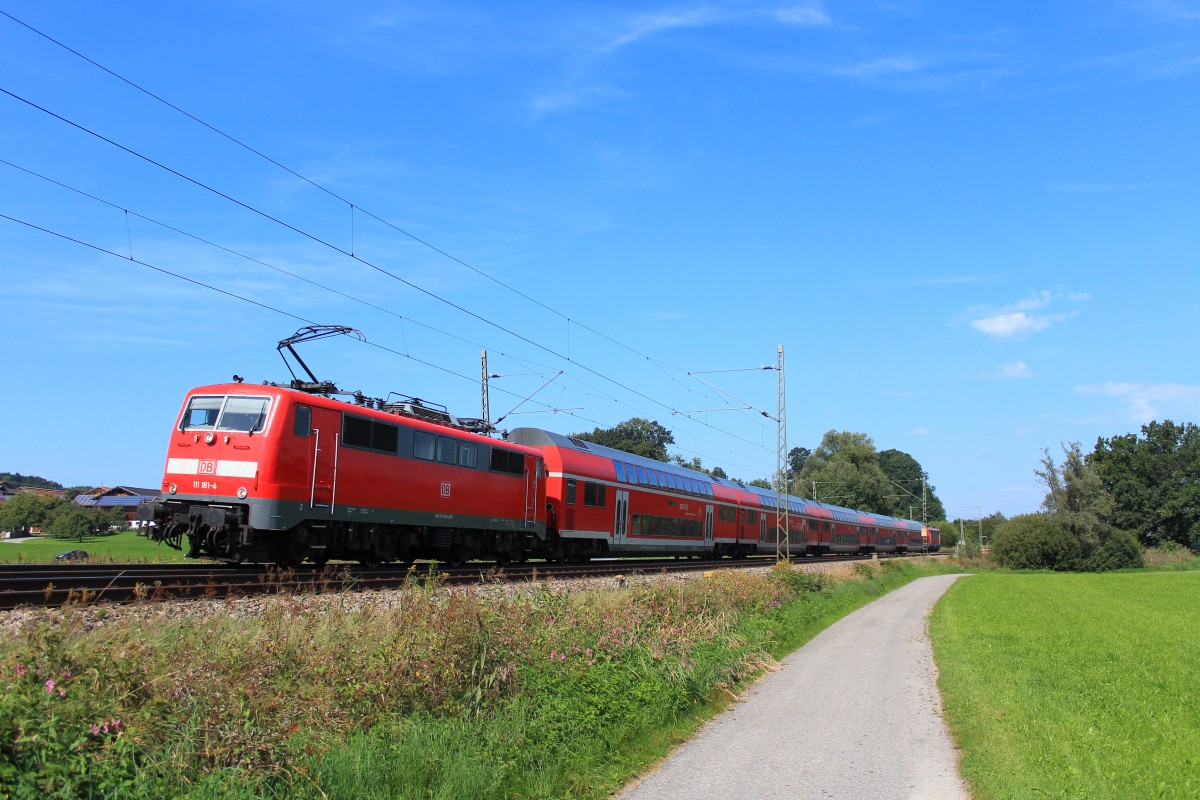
x,y
428,692
1074,686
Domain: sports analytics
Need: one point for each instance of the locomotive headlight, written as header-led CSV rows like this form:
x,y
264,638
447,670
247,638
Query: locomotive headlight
x,y
241,493
209,438
172,489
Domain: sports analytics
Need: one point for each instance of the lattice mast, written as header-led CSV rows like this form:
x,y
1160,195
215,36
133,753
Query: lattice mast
x,y
486,403
782,508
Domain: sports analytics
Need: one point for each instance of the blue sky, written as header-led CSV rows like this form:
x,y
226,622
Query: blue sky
x,y
973,227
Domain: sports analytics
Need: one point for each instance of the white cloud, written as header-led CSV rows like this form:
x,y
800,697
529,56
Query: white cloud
x,y
1006,372
648,24
1146,402
803,15
1015,321
921,431
1011,326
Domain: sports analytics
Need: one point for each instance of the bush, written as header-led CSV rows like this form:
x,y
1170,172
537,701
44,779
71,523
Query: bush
x,y
1117,550
1036,541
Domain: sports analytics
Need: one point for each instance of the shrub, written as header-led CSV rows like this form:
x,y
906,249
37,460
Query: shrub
x,y
1117,550
1036,541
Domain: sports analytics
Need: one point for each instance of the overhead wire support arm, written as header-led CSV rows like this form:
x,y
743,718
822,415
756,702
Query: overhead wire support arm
x,y
528,398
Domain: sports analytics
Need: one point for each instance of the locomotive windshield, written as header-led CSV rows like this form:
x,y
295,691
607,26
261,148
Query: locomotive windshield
x,y
225,413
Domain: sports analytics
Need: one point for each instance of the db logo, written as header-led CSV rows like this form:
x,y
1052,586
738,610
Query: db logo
x,y
207,468
445,488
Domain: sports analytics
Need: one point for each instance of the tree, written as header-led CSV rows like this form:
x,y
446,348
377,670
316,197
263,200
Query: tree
x,y
1078,503
909,480
35,481
1154,481
845,469
796,458
638,436
72,521
25,511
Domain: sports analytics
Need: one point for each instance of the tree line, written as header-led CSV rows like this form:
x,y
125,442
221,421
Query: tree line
x,y
845,469
1101,508
59,517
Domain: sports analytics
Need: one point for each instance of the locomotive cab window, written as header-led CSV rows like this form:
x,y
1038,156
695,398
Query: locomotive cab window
x,y
447,450
237,413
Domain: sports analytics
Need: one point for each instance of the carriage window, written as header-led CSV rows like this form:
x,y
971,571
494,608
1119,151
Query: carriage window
x,y
424,445
303,423
620,468
642,479
570,492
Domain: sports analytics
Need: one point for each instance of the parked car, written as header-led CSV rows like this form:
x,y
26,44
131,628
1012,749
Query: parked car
x,y
72,555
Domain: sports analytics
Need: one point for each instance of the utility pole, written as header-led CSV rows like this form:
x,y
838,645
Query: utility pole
x,y
487,412
782,506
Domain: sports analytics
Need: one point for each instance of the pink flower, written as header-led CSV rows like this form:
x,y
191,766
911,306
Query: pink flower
x,y
20,670
50,686
95,730
62,693
67,677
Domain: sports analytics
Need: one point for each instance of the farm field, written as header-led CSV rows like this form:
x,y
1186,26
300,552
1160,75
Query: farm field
x,y
1073,686
125,546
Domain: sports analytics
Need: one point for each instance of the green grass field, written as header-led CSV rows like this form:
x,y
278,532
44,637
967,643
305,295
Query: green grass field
x,y
1073,686
123,547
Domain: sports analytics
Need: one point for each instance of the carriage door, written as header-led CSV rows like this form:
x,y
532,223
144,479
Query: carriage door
x,y
621,520
708,525
533,474
323,452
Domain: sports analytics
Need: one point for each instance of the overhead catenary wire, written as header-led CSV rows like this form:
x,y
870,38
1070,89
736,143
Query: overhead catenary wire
x,y
318,240
353,207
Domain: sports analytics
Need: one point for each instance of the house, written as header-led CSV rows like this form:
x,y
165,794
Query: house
x,y
123,497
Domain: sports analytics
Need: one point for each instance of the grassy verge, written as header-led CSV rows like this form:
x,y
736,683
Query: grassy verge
x,y
124,547
1073,686
425,693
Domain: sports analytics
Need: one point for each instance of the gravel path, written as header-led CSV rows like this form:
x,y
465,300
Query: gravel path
x,y
853,714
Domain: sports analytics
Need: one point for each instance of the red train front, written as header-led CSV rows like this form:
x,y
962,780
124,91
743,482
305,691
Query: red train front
x,y
272,474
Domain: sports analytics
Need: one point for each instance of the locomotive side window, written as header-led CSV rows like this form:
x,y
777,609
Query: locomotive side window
x,y
356,432
369,434
507,462
447,450
467,454
424,445
303,423
385,438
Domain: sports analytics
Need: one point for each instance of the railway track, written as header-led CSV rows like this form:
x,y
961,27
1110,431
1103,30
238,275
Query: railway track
x,y
52,585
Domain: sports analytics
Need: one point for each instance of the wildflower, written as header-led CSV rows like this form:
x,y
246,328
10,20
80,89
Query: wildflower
x,y
20,670
49,686
67,676
62,693
95,730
